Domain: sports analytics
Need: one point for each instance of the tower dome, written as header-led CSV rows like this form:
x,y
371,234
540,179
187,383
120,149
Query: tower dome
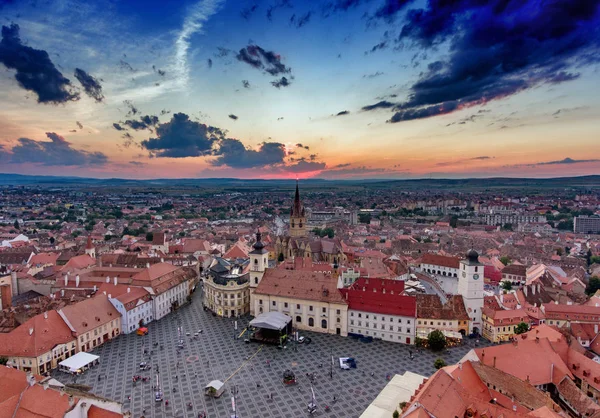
x,y
472,255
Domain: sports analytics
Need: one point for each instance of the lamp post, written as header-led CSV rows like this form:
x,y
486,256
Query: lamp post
x,y
233,404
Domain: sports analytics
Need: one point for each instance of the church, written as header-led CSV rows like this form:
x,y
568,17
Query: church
x,y
298,244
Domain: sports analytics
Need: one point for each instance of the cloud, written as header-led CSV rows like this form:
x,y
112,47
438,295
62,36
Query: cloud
x,y
56,152
462,161
209,62
373,75
496,49
145,122
283,82
91,86
302,20
258,58
249,11
137,163
79,124
123,65
384,104
158,71
568,161
117,126
232,116
379,46
182,137
132,109
343,112
279,5
246,84
305,166
34,69
232,153
192,23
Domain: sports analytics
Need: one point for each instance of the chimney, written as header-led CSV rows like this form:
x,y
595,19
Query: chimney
x,y
30,331
116,280
494,364
128,290
66,280
533,289
14,283
109,296
77,281
95,288
147,265
107,279
62,293
539,287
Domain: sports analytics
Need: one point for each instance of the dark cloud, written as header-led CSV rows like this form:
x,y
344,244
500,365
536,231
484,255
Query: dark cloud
x,y
56,152
373,75
209,62
391,8
280,118
132,109
379,46
384,104
123,65
117,126
222,52
303,20
79,124
232,116
497,48
299,145
137,163
158,71
73,130
568,161
343,112
279,5
343,165
34,71
246,84
462,161
249,11
145,122
232,153
181,137
260,59
282,82
305,166
91,86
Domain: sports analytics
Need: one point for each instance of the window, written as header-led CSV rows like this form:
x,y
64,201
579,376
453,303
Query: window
x,y
310,308
260,301
338,320
338,312
374,317
297,306
256,280
352,322
367,316
324,324
360,315
285,305
299,319
324,310
311,322
351,313
274,303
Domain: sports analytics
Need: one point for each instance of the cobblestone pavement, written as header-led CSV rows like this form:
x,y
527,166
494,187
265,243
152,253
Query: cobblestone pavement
x,y
217,354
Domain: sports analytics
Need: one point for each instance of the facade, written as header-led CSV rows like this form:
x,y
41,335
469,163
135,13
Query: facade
x,y
513,218
378,308
134,304
586,224
515,273
310,298
449,316
93,321
226,287
258,263
470,286
560,315
38,345
500,325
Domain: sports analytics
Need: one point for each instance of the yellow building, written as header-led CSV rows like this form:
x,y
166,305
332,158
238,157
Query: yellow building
x,y
501,325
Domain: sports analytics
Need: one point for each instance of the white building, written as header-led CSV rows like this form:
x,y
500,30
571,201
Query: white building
x,y
470,286
135,306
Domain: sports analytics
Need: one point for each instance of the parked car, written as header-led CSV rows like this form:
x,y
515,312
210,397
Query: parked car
x,y
347,363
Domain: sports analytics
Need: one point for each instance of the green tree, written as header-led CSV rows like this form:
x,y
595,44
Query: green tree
x,y
507,227
182,234
396,414
565,225
436,340
149,236
16,224
52,240
3,361
521,328
454,221
329,232
595,259
506,285
107,237
439,363
505,260
364,218
280,258
593,285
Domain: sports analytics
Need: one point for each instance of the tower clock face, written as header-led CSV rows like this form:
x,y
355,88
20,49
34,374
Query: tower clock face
x,y
475,276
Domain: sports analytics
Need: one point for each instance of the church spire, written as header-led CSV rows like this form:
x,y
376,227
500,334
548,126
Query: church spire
x,y
297,206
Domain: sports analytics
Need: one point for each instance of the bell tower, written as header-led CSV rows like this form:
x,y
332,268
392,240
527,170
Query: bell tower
x,y
297,217
470,286
259,261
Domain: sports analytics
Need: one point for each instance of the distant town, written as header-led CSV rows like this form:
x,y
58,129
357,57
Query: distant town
x,y
491,299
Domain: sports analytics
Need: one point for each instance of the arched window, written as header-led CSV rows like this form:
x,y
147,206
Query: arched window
x,y
256,261
300,224
324,324
298,319
311,322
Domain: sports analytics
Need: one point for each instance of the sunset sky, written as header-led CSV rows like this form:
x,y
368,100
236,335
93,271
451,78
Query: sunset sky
x,y
284,89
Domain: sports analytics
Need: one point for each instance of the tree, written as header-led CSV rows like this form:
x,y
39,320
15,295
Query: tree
x,y
521,328
364,218
436,340
280,258
439,363
16,224
454,221
507,227
505,260
107,237
149,236
506,285
52,240
396,414
593,285
595,259
3,361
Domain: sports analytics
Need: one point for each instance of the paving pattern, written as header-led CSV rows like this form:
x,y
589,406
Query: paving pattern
x,y
254,371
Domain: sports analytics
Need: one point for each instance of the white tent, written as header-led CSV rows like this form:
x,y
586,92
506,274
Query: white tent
x,y
271,320
78,363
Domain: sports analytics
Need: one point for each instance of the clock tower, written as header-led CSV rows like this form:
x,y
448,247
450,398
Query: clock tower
x,y
470,286
259,261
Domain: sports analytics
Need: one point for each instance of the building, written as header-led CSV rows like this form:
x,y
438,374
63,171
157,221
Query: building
x,y
513,218
444,269
89,248
310,298
449,317
93,321
133,303
226,287
39,344
586,224
470,286
515,273
561,314
297,216
500,325
378,308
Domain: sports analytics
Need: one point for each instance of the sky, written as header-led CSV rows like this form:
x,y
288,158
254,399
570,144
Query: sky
x,y
335,89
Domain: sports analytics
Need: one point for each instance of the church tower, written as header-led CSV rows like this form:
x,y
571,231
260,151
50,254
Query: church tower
x,y
297,217
470,286
259,261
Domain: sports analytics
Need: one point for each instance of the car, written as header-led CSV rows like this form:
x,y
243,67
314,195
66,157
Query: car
x,y
347,363
188,334
301,340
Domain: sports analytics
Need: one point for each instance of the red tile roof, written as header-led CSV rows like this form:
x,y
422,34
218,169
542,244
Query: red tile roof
x,y
440,260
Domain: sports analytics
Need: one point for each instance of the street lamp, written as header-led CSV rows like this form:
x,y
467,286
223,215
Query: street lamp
x,y
234,391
